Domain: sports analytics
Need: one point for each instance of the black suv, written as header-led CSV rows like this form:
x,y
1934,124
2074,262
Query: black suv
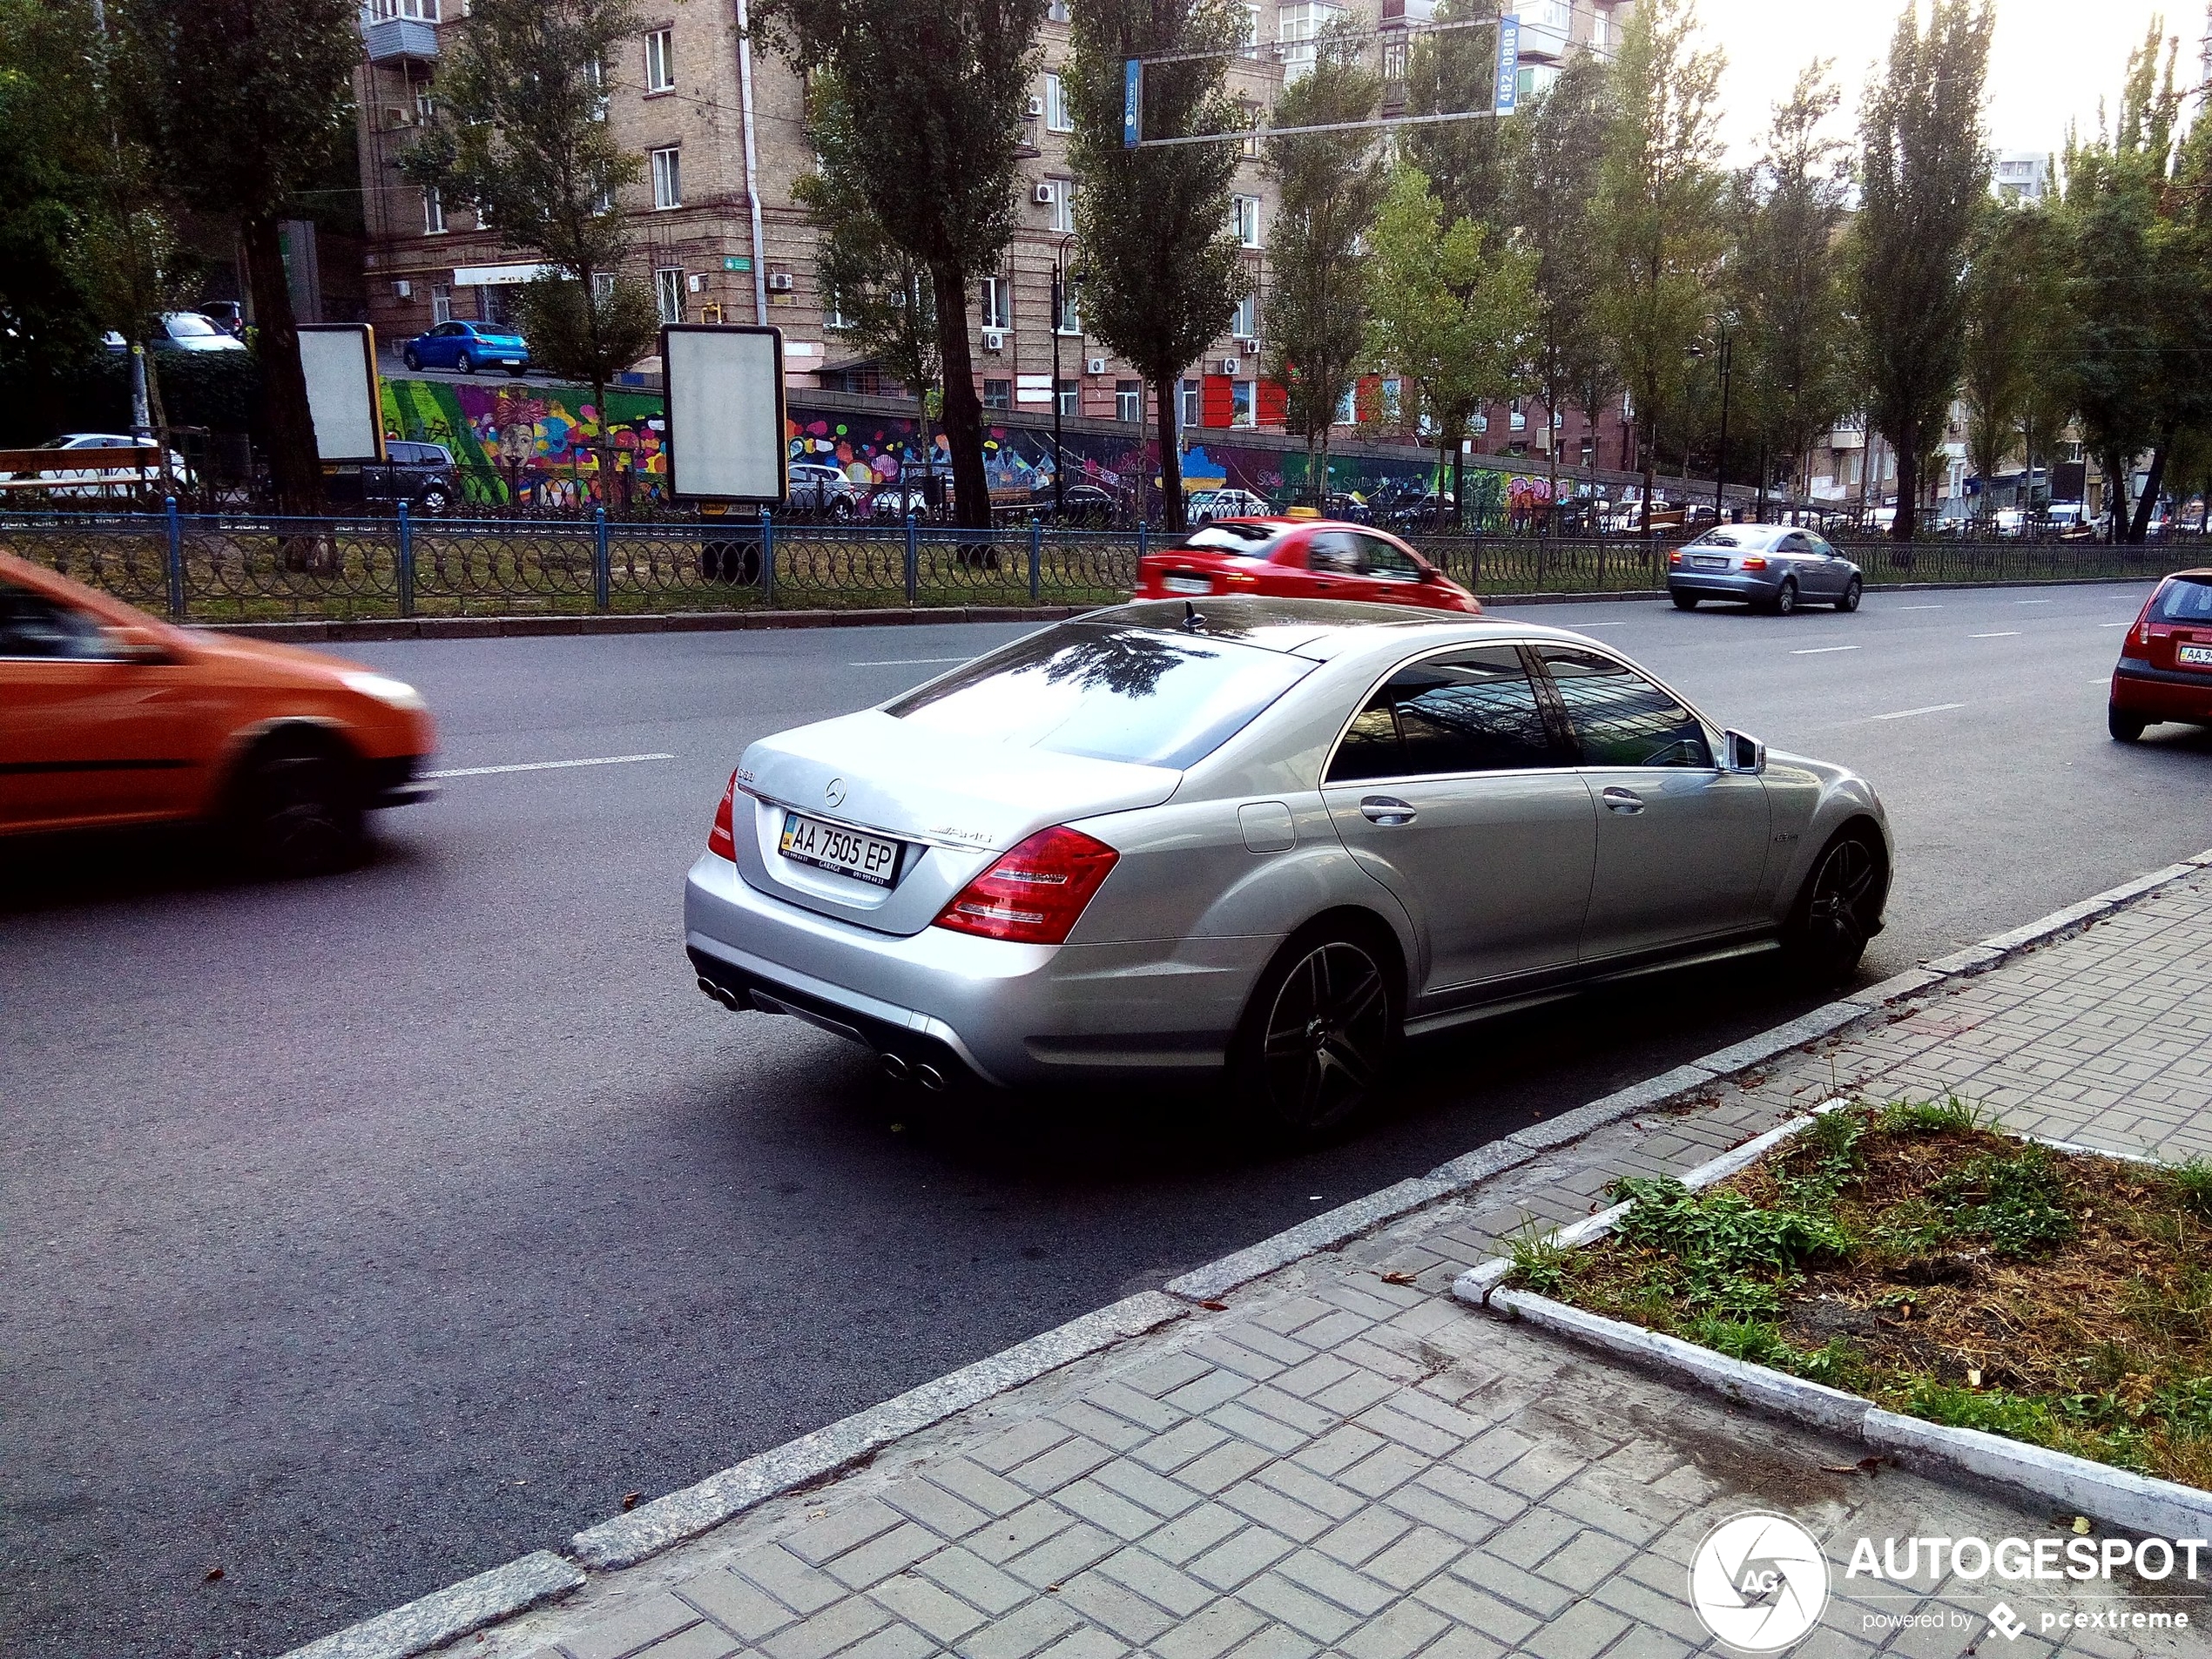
x,y
421,475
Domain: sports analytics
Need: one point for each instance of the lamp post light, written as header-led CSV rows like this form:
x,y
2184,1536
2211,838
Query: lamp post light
x,y
1725,364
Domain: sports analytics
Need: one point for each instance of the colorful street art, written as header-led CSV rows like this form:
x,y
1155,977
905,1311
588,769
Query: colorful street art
x,y
538,445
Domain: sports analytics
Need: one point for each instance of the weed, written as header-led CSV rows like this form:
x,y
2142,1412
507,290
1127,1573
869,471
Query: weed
x,y
1756,1341
2193,1185
1837,1362
1934,1116
1540,1264
2015,1200
1993,1411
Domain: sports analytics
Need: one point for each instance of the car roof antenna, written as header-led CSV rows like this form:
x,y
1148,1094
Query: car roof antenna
x,y
1193,620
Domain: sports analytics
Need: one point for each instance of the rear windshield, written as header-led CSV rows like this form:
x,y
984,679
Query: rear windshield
x,y
1247,541
1733,538
1107,693
2186,598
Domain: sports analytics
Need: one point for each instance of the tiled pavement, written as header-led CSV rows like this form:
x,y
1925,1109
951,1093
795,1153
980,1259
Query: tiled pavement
x,y
1340,1462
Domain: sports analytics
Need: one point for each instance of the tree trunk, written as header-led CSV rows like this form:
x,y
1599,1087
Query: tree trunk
x,y
2146,503
2116,503
295,470
1170,457
1650,468
1907,520
1323,448
963,412
1458,490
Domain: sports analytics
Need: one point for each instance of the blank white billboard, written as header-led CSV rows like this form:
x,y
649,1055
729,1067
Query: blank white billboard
x,y
340,363
725,412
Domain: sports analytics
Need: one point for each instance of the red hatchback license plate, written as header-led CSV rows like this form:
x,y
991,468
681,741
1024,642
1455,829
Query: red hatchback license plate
x,y
2194,656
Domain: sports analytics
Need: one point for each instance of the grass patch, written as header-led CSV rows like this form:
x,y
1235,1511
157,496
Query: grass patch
x,y
1910,1252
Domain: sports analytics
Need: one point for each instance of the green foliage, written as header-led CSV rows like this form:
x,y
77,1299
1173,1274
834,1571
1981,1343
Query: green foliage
x,y
1951,1114
584,335
2014,1200
1469,164
1539,1263
47,170
1993,1410
2193,1185
1756,1341
1716,1235
1923,176
2011,318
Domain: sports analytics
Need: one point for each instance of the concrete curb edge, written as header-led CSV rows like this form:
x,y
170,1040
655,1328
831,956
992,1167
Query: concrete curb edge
x,y
418,1627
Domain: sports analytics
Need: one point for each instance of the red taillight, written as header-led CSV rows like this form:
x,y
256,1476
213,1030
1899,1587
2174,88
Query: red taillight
x,y
1675,557
1033,894
1755,563
722,839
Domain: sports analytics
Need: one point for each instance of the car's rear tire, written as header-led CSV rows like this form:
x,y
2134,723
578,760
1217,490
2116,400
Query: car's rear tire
x,y
516,371
1837,907
465,363
1684,601
1784,602
2125,727
412,362
297,806
1321,1030
1852,590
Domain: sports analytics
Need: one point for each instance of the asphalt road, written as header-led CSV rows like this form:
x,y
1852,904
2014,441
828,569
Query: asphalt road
x,y
367,1232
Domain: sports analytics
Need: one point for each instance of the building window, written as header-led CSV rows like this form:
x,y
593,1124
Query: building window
x,y
1070,320
1055,10
1064,204
998,395
417,10
1518,413
1069,395
483,214
1128,399
1252,26
441,303
998,302
1244,219
1246,323
660,61
603,285
1240,403
1057,117
833,316
1296,27
668,177
1348,407
668,294
1192,394
426,105
1393,397
433,212
1601,28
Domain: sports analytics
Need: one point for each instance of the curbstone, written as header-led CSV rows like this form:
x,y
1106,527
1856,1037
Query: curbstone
x,y
455,1611
1331,1228
1897,988
654,1527
1791,1034
1611,1109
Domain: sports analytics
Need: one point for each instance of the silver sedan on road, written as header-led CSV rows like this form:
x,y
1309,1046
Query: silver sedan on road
x,y
1272,837
1770,566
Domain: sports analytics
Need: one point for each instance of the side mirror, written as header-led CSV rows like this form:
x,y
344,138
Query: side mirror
x,y
1746,755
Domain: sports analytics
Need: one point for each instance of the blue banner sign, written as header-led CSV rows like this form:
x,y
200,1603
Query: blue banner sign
x,y
1132,101
1508,65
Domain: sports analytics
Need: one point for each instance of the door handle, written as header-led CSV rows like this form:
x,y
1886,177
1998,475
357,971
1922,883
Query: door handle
x,y
1627,801
1386,809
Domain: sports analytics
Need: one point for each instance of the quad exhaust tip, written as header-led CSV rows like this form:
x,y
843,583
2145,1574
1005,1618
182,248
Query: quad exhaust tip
x,y
930,1078
895,1067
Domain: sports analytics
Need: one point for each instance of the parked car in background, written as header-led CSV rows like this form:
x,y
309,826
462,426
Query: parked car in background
x,y
178,331
81,470
1203,506
1079,505
2165,667
1118,848
421,475
1301,558
468,346
818,487
229,315
1770,566
118,718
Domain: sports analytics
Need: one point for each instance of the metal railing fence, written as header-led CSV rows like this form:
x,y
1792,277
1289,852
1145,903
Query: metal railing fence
x,y
245,569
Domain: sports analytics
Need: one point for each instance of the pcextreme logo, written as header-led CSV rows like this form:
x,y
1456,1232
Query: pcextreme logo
x,y
1760,1582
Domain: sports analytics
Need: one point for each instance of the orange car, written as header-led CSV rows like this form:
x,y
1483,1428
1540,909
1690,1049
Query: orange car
x,y
108,717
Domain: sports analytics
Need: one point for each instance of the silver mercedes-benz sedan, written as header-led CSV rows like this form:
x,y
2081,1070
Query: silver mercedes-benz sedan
x,y
1272,837
1770,566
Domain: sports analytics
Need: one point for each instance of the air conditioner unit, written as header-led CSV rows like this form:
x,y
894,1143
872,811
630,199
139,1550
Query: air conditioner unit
x,y
1095,365
779,282
993,340
395,116
1250,343
695,283
1036,106
1231,365
1043,195
403,288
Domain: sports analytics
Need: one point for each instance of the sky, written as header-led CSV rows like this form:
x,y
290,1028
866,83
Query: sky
x,y
2050,62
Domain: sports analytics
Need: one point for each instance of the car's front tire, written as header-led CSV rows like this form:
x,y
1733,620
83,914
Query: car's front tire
x,y
297,805
2125,727
435,500
413,361
1784,602
1684,601
1853,591
1323,1026
1837,907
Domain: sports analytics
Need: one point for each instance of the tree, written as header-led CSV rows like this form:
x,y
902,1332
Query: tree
x,y
1658,214
947,84
1997,370
520,131
244,101
1161,261
1317,307
1558,144
1793,374
1923,175
48,153
1453,71
1450,314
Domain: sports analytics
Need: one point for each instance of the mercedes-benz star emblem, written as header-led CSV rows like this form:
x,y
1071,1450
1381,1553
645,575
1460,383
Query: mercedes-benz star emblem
x,y
835,793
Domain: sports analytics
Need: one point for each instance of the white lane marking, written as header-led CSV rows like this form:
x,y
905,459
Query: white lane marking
x,y
2003,633
2115,624
1932,708
1579,626
1821,651
910,662
2102,679
544,766
2035,601
1915,607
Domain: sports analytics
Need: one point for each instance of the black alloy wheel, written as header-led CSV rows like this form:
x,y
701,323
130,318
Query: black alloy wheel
x,y
1785,597
1837,911
2124,727
436,501
1684,601
299,808
414,362
1324,1029
1851,592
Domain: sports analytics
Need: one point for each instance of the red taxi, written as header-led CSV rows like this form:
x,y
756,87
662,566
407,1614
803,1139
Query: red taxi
x,y
1299,559
2165,667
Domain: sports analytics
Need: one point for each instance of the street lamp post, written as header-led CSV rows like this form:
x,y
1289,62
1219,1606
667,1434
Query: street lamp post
x,y
1724,363
1059,314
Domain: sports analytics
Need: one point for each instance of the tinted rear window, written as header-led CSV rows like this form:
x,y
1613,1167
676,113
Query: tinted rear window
x,y
1249,540
2187,599
1109,693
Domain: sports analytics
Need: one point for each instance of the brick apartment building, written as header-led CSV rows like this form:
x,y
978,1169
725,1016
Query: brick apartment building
x,y
720,239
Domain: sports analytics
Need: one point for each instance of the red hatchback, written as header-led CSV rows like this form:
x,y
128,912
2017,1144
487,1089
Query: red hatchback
x,y
2165,668
1299,559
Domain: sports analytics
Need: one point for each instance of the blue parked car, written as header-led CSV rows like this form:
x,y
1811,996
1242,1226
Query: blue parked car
x,y
468,346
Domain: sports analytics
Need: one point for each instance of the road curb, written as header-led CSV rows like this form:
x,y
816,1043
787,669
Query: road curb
x,y
687,621
420,1625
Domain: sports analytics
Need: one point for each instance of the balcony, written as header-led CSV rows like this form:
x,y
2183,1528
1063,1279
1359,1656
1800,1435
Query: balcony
x,y
400,40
